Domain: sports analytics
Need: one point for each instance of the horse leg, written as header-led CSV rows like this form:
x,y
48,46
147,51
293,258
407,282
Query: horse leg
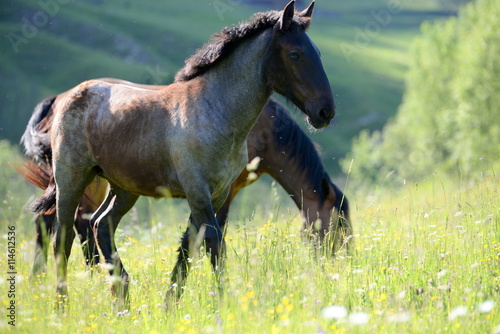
x,y
71,184
223,211
202,225
241,182
44,226
95,194
181,269
87,240
343,233
219,203
94,197
86,230
119,202
341,222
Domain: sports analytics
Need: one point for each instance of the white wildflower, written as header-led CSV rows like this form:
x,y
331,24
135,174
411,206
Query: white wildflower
x,y
486,307
459,311
359,318
334,312
399,317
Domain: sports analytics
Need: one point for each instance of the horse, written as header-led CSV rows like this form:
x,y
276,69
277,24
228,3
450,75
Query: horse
x,y
186,140
285,152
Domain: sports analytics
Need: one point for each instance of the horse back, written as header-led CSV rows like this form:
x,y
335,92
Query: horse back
x,y
135,136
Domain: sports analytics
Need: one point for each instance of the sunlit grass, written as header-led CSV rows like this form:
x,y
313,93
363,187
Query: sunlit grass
x,y
425,259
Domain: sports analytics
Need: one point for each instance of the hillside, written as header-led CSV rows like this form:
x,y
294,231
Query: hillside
x,y
52,45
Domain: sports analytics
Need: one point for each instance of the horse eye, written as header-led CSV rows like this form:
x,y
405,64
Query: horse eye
x,y
295,56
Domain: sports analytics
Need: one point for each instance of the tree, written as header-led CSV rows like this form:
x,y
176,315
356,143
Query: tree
x,y
448,120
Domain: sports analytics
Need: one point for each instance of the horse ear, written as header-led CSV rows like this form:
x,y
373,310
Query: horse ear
x,y
287,16
308,11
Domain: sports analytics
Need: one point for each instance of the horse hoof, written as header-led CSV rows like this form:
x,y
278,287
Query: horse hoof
x,y
62,303
171,298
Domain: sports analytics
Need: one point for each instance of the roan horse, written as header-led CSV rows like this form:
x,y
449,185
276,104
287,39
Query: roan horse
x,y
286,154
186,140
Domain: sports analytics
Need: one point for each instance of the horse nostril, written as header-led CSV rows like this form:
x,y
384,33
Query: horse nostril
x,y
326,114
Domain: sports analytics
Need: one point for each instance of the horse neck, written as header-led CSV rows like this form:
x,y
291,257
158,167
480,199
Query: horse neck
x,y
240,84
297,181
299,175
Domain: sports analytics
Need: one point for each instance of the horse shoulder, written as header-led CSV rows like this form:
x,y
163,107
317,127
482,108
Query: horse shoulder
x,y
261,137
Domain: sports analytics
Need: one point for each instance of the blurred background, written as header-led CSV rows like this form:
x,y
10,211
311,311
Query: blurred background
x,y
415,82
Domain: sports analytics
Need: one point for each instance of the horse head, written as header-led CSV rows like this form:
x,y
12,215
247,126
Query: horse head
x,y
294,67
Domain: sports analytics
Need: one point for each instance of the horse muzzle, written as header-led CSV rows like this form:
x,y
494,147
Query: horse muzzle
x,y
320,117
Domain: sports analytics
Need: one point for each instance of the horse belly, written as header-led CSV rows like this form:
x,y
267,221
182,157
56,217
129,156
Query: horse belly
x,y
142,179
140,170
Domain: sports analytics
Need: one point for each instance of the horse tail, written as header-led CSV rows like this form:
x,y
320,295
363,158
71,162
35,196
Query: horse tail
x,y
41,176
36,139
36,142
45,204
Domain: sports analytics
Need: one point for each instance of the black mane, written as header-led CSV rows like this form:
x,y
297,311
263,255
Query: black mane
x,y
225,41
292,139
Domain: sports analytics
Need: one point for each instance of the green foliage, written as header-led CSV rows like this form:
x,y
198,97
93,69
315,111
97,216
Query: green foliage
x,y
448,121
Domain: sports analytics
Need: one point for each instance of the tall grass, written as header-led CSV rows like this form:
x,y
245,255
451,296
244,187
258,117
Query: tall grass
x,y
425,259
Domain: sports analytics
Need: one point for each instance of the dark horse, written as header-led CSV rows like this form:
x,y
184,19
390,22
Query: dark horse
x,y
285,151
187,140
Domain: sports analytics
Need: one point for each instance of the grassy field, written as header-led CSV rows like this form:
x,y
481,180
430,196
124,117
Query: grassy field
x,y
426,259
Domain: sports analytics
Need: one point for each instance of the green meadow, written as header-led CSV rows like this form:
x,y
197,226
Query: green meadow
x,y
425,258
425,254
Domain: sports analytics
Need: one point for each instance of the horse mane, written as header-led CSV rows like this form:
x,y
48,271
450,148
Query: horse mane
x,y
292,139
228,39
